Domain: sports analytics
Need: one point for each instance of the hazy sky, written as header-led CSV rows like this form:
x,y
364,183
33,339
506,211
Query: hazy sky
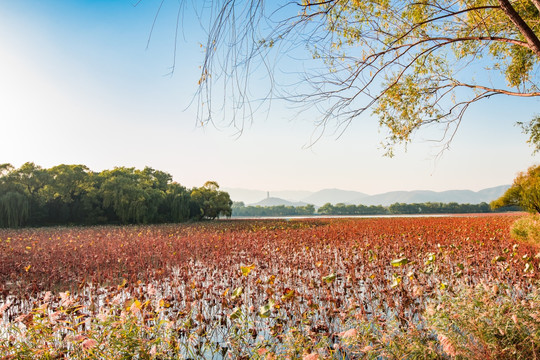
x,y
78,86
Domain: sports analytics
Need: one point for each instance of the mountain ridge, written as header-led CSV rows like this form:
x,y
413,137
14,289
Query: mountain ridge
x,y
334,196
274,201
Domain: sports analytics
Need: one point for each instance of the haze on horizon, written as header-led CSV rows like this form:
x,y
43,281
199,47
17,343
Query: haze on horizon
x,y
79,87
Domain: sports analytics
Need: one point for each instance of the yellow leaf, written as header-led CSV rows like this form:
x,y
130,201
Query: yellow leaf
x,y
136,306
247,269
124,282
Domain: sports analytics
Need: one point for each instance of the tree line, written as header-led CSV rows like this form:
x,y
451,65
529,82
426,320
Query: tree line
x,y
73,194
239,209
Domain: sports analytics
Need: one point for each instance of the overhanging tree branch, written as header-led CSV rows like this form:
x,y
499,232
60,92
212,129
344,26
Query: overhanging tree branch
x,y
526,31
537,4
402,60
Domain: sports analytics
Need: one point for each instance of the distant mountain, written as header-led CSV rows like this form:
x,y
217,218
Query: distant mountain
x,y
245,195
493,193
273,201
333,196
249,196
291,195
420,196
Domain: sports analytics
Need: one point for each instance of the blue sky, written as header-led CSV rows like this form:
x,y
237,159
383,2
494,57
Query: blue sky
x,y
77,85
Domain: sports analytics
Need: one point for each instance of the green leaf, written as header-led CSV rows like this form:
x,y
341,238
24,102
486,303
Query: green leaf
x,y
329,278
498,258
265,310
236,293
399,262
289,294
236,314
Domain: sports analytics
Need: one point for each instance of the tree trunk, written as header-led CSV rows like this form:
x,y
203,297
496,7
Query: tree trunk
x,y
524,29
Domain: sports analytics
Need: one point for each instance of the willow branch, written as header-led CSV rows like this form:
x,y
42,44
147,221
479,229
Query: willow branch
x,y
498,91
524,29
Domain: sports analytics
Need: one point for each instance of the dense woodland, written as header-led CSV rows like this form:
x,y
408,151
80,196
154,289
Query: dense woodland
x,y
239,209
73,194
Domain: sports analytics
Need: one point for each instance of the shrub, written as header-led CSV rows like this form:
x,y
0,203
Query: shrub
x,y
527,229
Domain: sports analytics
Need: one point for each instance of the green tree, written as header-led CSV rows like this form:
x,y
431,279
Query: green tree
x,y
31,177
326,209
156,179
72,194
14,202
176,204
5,169
212,202
14,209
69,194
19,189
30,180
308,209
411,63
69,181
134,195
524,192
238,205
532,129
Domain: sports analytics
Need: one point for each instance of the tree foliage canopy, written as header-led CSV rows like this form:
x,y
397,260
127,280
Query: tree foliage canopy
x,y
532,129
524,192
411,63
213,202
73,194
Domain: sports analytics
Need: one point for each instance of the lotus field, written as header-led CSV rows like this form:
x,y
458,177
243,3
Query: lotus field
x,y
381,288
